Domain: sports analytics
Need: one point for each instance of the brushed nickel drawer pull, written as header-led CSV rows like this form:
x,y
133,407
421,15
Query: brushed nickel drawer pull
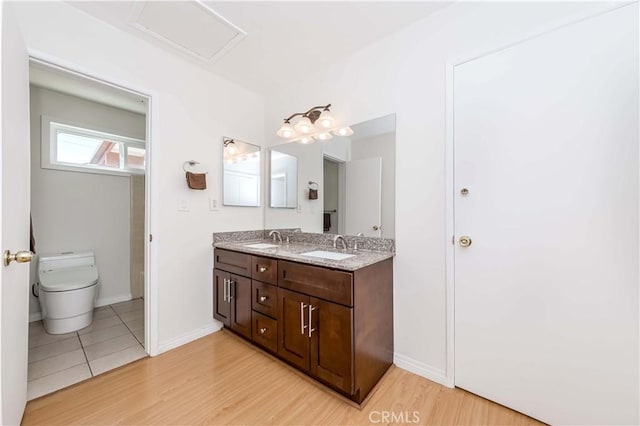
x,y
262,269
224,290
263,330
302,326
311,309
231,283
263,298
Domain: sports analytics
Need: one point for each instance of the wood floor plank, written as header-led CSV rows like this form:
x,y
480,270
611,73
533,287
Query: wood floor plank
x,y
220,379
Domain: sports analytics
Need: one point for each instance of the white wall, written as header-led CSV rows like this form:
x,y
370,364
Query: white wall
x,y
83,211
192,110
405,73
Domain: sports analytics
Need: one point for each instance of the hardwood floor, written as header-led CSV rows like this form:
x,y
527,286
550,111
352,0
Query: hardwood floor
x,y
220,379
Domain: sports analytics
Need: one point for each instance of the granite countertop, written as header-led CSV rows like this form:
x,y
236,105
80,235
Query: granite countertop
x,y
293,252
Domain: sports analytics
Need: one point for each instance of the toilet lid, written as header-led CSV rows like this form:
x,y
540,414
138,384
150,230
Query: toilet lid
x,y
66,279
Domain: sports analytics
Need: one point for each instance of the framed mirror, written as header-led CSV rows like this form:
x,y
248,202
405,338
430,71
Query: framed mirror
x,y
241,173
283,184
355,178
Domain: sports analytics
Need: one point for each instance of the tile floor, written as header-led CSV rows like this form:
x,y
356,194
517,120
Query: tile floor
x,y
115,338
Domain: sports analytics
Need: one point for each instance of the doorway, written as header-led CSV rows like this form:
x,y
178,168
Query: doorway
x,y
89,194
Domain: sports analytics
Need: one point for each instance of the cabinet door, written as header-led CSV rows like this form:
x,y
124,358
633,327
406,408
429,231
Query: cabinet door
x,y
293,339
221,307
332,344
240,290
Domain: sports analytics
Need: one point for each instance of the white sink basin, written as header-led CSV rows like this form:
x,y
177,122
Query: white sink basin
x,y
328,255
261,245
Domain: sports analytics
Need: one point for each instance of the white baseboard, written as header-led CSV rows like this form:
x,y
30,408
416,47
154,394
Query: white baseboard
x,y
188,337
35,316
104,301
416,367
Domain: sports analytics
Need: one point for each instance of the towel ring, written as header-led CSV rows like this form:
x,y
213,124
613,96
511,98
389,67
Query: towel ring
x,y
312,183
190,163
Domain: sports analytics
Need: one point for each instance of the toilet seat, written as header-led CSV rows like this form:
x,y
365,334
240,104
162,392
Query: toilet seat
x,y
67,279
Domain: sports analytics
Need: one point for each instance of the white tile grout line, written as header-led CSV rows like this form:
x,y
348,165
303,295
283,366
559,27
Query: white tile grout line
x,y
85,355
130,331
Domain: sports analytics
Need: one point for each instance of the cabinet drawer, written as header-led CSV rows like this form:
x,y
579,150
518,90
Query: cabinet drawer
x,y
264,269
265,331
264,298
327,284
231,261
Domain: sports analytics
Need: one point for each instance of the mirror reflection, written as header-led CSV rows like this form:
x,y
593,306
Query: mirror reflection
x,y
355,178
283,187
241,173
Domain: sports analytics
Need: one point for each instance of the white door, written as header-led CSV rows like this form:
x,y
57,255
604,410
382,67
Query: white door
x,y
546,295
14,217
363,197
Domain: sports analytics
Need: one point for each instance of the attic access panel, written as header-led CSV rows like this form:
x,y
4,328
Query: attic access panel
x,y
189,26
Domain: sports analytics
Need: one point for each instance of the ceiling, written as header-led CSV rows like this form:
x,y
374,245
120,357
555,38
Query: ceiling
x,y
283,39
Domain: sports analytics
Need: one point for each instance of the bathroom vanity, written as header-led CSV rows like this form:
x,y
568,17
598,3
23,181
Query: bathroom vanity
x,y
330,318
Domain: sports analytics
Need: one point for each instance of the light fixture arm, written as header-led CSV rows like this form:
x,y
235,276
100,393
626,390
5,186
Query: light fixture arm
x,y
312,114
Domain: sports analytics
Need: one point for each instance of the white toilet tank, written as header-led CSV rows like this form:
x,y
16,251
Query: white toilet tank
x,y
67,290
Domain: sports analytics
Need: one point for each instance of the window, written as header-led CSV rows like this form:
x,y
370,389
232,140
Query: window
x,y
73,148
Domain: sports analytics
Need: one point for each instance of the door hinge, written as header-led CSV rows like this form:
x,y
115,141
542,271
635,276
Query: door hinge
x,y
150,237
453,239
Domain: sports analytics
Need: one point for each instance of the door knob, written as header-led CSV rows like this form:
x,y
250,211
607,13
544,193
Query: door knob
x,y
465,241
376,227
20,257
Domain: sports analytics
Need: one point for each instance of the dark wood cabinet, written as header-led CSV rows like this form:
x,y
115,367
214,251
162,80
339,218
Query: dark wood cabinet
x,y
221,306
232,301
293,341
334,325
331,355
317,337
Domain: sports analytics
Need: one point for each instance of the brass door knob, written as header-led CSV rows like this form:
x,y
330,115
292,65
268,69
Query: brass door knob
x,y
20,257
465,241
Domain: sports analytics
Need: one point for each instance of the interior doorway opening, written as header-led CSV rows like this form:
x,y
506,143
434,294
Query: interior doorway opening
x,y
90,197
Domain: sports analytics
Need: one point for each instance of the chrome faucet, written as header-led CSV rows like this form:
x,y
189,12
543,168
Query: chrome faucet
x,y
339,238
355,241
275,234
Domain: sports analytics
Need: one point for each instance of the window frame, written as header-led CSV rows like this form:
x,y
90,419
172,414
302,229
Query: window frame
x,y
50,127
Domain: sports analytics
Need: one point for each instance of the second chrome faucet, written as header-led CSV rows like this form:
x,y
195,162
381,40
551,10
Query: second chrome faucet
x,y
276,234
341,239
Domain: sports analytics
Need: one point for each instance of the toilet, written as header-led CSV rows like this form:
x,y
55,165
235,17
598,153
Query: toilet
x,y
67,290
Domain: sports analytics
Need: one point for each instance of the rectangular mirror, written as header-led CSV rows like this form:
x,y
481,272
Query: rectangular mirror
x,y
283,187
241,173
355,178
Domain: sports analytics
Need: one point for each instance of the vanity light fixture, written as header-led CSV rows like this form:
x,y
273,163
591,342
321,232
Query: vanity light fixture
x,y
316,123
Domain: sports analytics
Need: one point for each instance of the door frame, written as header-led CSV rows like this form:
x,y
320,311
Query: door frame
x,y
151,341
449,242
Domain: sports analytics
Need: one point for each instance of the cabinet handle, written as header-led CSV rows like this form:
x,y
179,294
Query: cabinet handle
x,y
263,330
224,290
263,298
311,309
262,268
302,326
231,283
